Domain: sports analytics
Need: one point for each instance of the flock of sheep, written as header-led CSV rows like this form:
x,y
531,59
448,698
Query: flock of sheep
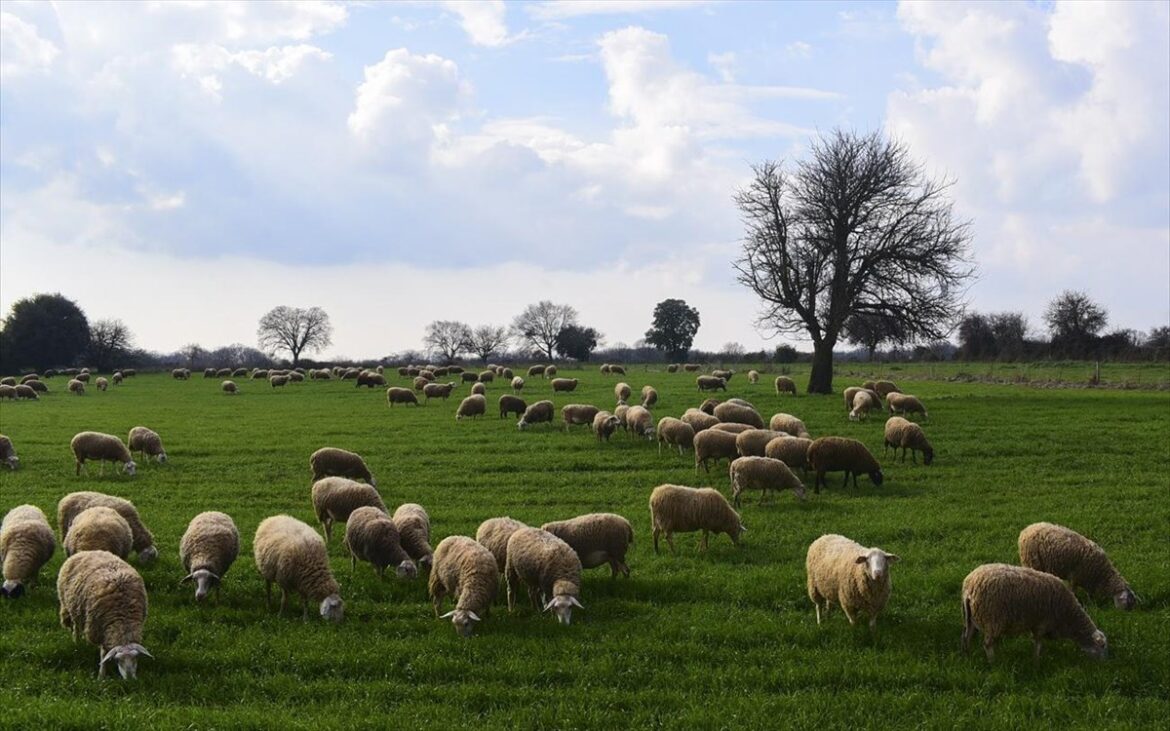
x,y
103,598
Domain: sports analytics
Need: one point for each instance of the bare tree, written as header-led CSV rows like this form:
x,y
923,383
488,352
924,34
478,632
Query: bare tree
x,y
294,330
872,330
857,228
487,339
447,339
539,324
109,340
1074,321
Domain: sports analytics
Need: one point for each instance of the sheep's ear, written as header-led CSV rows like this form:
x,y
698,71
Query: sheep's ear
x,y
893,558
448,614
861,559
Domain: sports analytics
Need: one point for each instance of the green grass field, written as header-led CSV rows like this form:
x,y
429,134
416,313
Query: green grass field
x,y
725,639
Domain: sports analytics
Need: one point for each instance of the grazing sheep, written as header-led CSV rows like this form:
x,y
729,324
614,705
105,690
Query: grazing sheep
x,y
564,384
868,385
99,528
478,389
180,374
1001,600
414,531
70,506
621,392
885,388
597,539
438,390
102,384
510,404
397,395
604,369
672,368
649,396
26,544
148,443
753,377
908,435
259,374
237,373
713,445
494,533
536,370
465,570
471,407
8,453
507,374
784,384
851,393
23,391
350,373
468,378
230,388
616,370
103,598
792,451
698,420
843,572
207,550
724,374
640,422
753,442
763,474
369,379
419,383
209,373
733,428
676,433
678,509
837,454
41,387
223,373
708,406
278,381
291,555
334,498
103,448
427,374
578,414
691,367
1069,555
74,386
620,412
9,381
370,535
711,383
550,371
863,403
789,424
334,462
486,377
541,411
900,403
517,384
546,566
738,414
604,425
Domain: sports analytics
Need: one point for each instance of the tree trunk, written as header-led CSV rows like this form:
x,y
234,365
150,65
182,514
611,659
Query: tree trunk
x,y
820,380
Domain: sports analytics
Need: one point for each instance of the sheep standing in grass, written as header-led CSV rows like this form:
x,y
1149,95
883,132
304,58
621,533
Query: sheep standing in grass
x,y
678,509
74,503
510,404
550,371
207,550
788,424
597,539
753,377
843,572
621,392
735,413
99,529
438,390
763,474
334,462
494,533
675,433
103,598
1069,555
1001,600
713,445
39,386
711,383
278,381
414,532
539,412
840,454
8,453
792,451
851,393
536,370
465,570
478,389
291,555
101,447
900,403
698,420
148,443
370,535
471,407
398,395
672,368
564,385
863,403
620,412
604,425
640,422
517,384
9,381
74,386
578,414
784,384
692,367
753,442
724,374
616,370
708,405
230,388
908,435
649,396
548,567
26,544
885,388
334,498
102,383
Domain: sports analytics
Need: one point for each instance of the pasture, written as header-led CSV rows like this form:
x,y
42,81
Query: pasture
x,y
725,639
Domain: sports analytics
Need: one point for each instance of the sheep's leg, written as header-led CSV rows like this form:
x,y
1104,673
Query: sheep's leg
x,y
79,464
657,531
817,606
268,595
1038,645
101,665
670,542
845,484
820,479
703,542
437,602
283,600
989,647
304,608
873,625
848,615
913,455
680,450
512,588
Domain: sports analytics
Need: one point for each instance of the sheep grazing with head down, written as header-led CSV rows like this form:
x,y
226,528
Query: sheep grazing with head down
x,y
753,442
334,462
537,413
148,443
471,407
675,433
885,388
843,572
229,388
40,387
104,448
598,539
102,383
26,544
604,425
1069,555
75,503
399,395
708,405
763,474
8,453
536,370
640,422
573,414
99,529
74,386
335,498
908,435
291,555
278,381
649,396
103,598
692,367
851,393
737,413
414,532
678,509
510,404
840,454
563,385
788,424
494,533
698,420
784,384
712,445
622,392
711,383
1001,600
207,550
792,451
548,567
370,535
465,570
438,390
517,384
905,404
753,377
863,403
672,368
478,389
616,370
724,374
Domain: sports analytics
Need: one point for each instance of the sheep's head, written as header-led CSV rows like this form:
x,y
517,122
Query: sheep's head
x,y
13,462
130,468
204,580
12,589
562,606
877,563
463,619
522,424
407,570
737,533
127,658
426,561
1125,599
162,457
1097,646
927,456
332,608
148,555
876,477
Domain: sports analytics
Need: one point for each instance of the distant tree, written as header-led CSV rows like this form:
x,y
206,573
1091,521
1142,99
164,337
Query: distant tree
x,y
110,342
1011,331
976,337
785,354
577,342
295,330
447,339
674,327
1073,321
194,355
486,340
1159,337
871,330
43,331
856,228
238,355
731,352
539,325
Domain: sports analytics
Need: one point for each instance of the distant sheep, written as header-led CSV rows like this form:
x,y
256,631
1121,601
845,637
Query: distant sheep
x,y
863,403
291,555
370,535
536,370
278,381
885,388
792,451
26,545
616,370
691,367
843,572
334,498
698,420
517,384
24,391
572,414
851,393
711,383
91,445
724,374
672,368
1067,554
640,422
550,371
604,425
398,395
8,453
908,435
753,442
713,445
763,474
900,403
465,570
738,414
438,390
468,377
784,384
471,407
103,598
414,531
486,377
708,406
564,385
74,386
369,379
597,539
148,443
539,412
621,392
41,387
207,550
230,388
649,396
334,462
102,383
753,377
478,389
840,454
548,567
72,505
678,509
675,433
788,424
510,404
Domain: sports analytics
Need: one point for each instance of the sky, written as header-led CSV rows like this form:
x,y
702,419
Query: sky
x,y
187,166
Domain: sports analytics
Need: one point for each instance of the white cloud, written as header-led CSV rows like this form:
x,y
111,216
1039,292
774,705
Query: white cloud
x,y
275,64
484,21
24,51
798,49
724,63
564,9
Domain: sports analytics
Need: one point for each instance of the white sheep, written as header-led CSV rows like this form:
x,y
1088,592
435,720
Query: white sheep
x,y
906,434
334,462
578,414
604,425
792,451
207,550
370,535
679,509
640,422
713,445
676,433
763,474
539,412
546,566
905,404
1063,552
334,498
8,453
598,539
103,447
843,572
863,403
104,599
414,531
99,529
467,571
471,407
70,506
291,555
494,533
788,424
26,544
148,443
621,392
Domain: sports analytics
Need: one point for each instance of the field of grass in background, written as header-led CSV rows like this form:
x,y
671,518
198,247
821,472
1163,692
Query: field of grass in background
x,y
722,639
